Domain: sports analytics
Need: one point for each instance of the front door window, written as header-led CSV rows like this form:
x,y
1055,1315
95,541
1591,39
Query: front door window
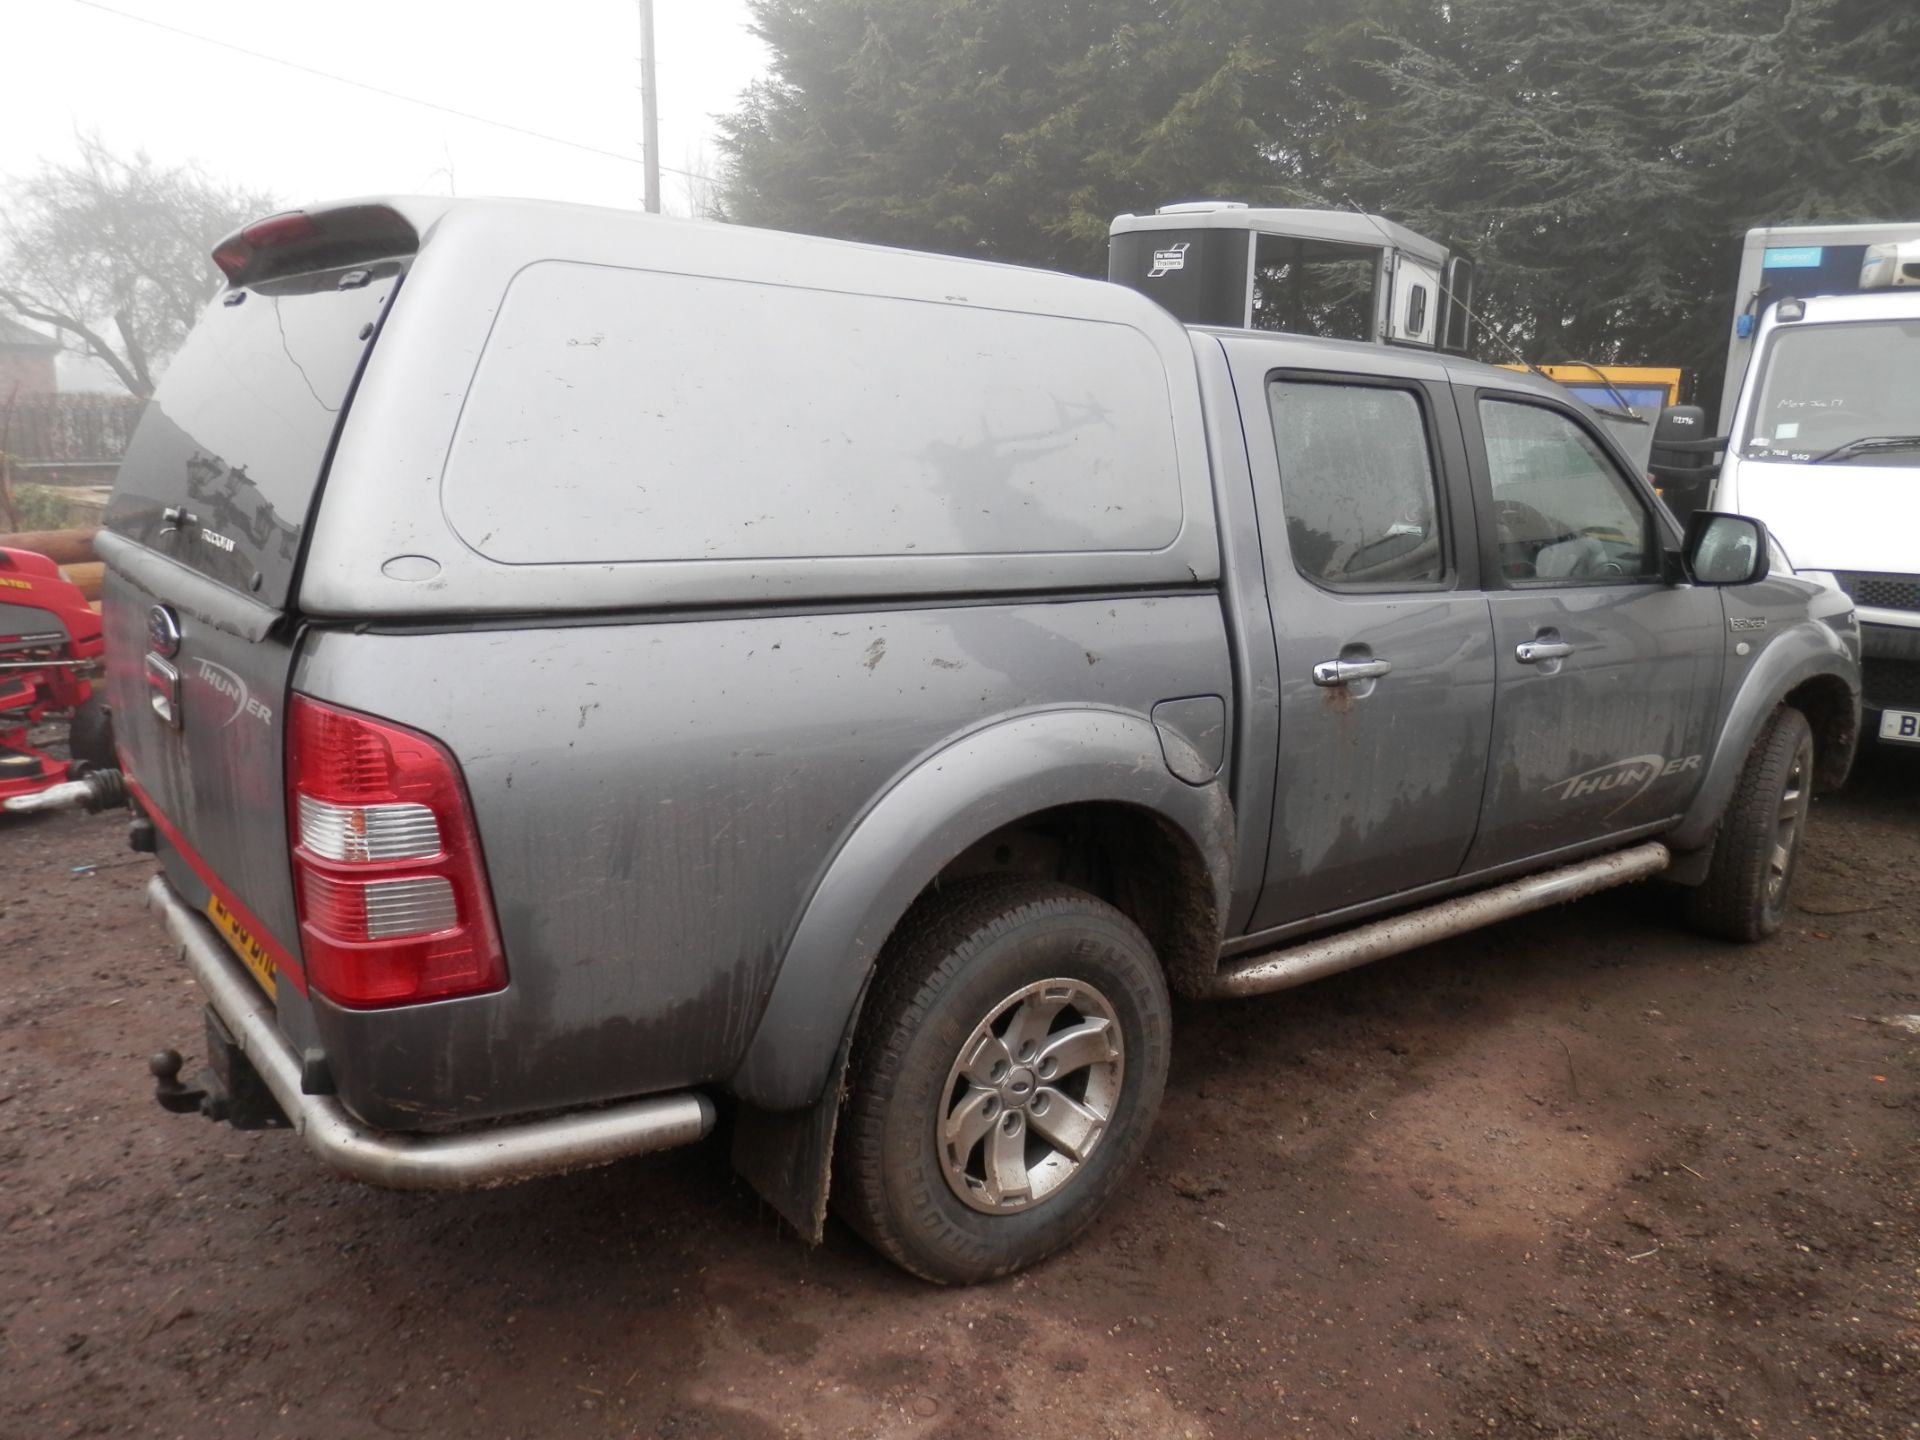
x,y
1563,513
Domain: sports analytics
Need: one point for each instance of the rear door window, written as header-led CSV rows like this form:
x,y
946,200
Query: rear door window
x,y
1358,484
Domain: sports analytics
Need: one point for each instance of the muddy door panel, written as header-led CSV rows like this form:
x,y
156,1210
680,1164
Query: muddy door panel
x,y
1385,649
1608,677
1379,781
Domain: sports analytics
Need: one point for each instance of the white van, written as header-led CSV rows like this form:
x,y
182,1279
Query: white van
x,y
1822,430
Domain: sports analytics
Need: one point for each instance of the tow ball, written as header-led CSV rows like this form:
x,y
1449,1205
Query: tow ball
x,y
227,1088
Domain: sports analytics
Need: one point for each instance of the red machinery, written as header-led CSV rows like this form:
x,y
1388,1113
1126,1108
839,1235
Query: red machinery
x,y
49,637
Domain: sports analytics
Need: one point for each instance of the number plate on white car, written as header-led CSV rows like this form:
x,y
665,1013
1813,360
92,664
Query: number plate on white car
x,y
1902,726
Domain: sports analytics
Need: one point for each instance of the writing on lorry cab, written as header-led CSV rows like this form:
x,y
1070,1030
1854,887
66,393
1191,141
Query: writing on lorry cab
x,y
582,673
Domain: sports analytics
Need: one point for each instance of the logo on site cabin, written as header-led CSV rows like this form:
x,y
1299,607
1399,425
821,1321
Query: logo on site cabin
x,y
217,540
1635,776
225,682
1165,261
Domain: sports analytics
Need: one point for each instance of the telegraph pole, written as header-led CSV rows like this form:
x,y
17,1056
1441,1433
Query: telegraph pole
x,y
649,108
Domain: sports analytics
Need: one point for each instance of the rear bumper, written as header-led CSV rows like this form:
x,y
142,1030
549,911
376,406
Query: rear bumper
x,y
497,1155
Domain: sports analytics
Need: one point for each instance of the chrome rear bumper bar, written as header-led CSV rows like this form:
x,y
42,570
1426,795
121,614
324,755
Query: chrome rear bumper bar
x,y
476,1159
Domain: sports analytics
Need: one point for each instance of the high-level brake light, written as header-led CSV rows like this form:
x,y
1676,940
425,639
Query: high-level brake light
x,y
233,253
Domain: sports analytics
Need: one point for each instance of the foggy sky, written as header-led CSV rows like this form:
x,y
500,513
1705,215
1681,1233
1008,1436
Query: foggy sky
x,y
568,68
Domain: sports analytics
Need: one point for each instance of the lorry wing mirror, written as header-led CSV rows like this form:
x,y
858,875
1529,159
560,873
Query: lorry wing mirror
x,y
1681,441
1726,549
1680,423
1682,460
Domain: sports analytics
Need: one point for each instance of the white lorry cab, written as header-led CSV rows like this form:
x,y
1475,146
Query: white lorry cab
x,y
1821,426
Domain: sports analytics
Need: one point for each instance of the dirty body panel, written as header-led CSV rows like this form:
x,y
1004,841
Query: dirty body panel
x,y
1378,781
657,800
553,345
1609,673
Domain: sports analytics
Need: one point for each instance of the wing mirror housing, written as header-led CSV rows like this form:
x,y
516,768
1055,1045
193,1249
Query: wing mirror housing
x,y
1683,463
1682,449
1726,549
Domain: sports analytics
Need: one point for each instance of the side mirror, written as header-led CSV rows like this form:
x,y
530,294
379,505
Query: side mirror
x,y
1682,450
1680,423
1726,549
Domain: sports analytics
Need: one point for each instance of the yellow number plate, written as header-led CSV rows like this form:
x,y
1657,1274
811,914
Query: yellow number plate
x,y
252,953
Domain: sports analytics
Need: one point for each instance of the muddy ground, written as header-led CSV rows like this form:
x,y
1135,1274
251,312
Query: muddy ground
x,y
1580,1175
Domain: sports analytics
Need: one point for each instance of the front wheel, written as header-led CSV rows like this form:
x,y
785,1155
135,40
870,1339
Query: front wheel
x,y
1745,894
1005,1078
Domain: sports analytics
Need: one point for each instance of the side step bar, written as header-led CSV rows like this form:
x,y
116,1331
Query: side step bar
x,y
1330,954
476,1159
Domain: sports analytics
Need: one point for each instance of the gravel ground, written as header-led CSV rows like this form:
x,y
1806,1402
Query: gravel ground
x,y
1579,1175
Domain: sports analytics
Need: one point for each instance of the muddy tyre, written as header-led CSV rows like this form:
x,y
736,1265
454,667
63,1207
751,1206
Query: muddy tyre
x,y
1005,1077
90,737
1745,894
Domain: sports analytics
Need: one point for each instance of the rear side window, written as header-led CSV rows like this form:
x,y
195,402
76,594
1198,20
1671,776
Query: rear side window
x,y
631,416
1357,484
1562,511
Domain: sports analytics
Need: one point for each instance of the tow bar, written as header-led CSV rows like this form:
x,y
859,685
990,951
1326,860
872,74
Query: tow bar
x,y
227,1088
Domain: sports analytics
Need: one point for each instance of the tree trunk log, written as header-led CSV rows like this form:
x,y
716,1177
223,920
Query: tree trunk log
x,y
63,547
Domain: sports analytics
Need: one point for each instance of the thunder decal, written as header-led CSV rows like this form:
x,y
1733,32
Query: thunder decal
x,y
225,682
1636,776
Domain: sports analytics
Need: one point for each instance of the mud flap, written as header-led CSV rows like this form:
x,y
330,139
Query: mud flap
x,y
1689,867
787,1155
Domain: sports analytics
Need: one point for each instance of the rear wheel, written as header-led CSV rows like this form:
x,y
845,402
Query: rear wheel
x,y
1745,894
1005,1079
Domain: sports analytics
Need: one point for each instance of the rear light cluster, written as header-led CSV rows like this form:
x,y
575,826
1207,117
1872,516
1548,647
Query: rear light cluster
x,y
393,898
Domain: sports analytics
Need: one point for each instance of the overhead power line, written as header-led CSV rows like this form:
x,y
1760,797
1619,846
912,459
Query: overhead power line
x,y
379,90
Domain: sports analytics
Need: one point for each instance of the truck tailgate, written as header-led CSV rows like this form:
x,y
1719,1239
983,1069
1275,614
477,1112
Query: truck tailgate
x,y
202,539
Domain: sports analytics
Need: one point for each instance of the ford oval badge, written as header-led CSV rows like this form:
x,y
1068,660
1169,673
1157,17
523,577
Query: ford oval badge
x,y
163,632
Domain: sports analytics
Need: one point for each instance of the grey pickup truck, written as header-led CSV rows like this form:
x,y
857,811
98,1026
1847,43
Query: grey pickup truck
x,y
585,674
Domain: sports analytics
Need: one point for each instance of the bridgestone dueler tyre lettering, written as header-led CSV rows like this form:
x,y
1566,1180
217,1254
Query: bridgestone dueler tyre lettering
x,y
1023,956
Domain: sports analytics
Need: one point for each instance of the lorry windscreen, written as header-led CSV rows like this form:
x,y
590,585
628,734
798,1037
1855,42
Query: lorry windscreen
x,y
1823,387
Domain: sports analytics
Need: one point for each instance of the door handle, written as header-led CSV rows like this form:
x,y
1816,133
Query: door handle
x,y
1334,673
1533,652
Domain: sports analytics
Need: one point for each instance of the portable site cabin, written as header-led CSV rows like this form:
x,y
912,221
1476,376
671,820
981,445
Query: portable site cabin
x,y
1335,273
1340,274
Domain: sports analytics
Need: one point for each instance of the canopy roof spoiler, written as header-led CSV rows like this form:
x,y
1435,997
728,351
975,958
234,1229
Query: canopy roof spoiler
x,y
324,238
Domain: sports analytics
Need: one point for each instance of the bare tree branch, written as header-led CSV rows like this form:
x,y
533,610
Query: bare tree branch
x,y
90,343
113,252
